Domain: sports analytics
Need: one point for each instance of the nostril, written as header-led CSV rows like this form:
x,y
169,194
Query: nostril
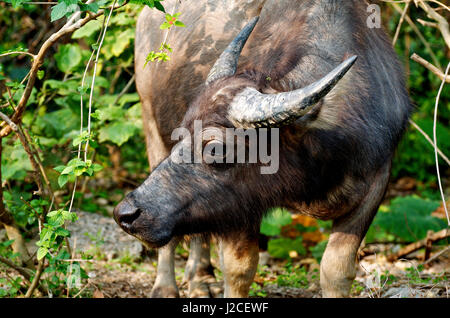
x,y
129,217
126,213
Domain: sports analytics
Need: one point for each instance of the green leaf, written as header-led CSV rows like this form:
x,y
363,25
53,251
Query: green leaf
x,y
16,3
110,113
58,11
280,248
118,132
62,180
96,167
42,251
117,43
40,74
67,170
69,216
159,6
407,219
59,168
62,232
318,250
87,30
81,138
273,222
180,24
69,56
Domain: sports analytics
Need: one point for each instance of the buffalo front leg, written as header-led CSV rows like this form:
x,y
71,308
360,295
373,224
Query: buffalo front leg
x,y
199,272
338,266
165,285
239,261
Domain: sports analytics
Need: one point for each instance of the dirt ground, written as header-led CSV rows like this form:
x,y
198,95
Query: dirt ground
x,y
121,268
119,278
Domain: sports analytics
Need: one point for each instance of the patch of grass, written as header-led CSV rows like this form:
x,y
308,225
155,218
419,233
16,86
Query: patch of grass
x,y
357,288
257,291
294,276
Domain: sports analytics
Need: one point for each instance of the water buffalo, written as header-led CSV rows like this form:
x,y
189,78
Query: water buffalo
x,y
311,69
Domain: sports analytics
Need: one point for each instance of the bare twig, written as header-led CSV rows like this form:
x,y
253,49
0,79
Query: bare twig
x,y
415,57
437,255
25,272
400,23
443,25
125,89
36,279
419,34
435,142
444,157
435,237
20,53
427,23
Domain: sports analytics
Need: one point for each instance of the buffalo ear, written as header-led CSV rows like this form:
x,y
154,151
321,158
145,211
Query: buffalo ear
x,y
227,63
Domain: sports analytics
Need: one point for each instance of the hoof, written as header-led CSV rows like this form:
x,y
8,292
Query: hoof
x,y
164,292
200,286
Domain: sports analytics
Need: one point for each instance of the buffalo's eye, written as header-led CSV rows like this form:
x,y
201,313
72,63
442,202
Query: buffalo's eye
x,y
214,152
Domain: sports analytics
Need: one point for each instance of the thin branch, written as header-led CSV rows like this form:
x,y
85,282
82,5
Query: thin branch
x,y
20,53
443,25
37,174
400,23
125,89
437,255
415,1
25,272
36,279
435,141
444,157
427,23
419,34
91,97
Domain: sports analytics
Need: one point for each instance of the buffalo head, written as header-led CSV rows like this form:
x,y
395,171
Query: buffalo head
x,y
211,189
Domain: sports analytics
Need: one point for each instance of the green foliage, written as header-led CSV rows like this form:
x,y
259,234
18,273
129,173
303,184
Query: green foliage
x,y
414,275
406,219
415,156
10,287
295,276
165,49
69,56
53,232
75,168
172,20
281,247
274,220
318,250
52,120
257,291
151,3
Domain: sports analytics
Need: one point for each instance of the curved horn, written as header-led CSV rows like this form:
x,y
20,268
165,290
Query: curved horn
x,y
227,63
252,109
